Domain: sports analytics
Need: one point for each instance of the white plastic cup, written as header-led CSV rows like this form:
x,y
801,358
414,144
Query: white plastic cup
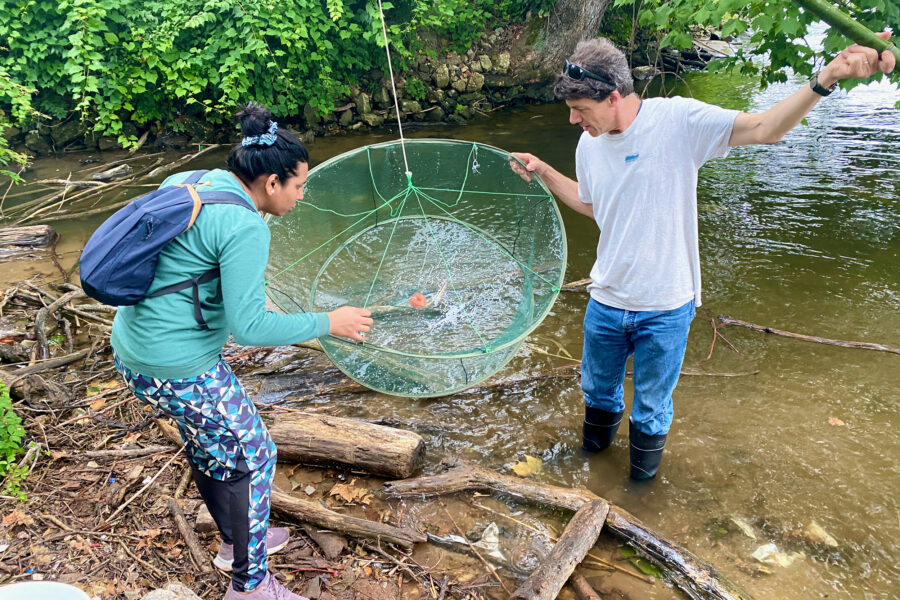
x,y
41,590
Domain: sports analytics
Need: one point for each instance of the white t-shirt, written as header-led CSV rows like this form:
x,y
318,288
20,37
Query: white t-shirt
x,y
642,184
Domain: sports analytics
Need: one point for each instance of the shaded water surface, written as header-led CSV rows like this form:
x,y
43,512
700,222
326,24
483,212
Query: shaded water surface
x,y
802,235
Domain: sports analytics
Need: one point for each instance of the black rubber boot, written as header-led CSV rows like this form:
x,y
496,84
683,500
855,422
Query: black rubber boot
x,y
646,452
599,429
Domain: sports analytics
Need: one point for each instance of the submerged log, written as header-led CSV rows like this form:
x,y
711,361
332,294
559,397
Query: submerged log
x,y
578,538
35,236
697,578
322,440
726,320
310,512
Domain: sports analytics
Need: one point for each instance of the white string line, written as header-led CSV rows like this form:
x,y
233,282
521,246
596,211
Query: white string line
x,y
394,87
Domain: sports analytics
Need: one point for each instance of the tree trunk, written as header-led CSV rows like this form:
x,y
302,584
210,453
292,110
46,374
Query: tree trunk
x,y
321,440
570,22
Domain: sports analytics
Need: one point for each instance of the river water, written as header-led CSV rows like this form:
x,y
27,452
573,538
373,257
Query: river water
x,y
802,236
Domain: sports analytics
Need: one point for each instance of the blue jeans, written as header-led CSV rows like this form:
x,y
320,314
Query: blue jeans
x,y
656,338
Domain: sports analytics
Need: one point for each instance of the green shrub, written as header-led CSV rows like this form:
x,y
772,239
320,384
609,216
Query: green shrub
x,y
155,60
11,435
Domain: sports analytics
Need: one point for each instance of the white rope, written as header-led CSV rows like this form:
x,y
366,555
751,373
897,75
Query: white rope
x,y
394,88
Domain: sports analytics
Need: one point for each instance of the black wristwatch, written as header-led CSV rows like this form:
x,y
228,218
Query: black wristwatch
x,y
814,84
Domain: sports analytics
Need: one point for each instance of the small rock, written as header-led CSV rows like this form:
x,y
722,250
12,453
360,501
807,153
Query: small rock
x,y
363,103
459,85
486,64
476,82
382,99
769,554
371,119
308,137
66,132
435,114
346,118
475,67
410,106
114,173
502,65
204,522
815,534
173,591
35,142
442,76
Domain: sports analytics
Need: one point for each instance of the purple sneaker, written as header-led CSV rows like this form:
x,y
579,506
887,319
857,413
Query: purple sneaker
x,y
269,589
276,539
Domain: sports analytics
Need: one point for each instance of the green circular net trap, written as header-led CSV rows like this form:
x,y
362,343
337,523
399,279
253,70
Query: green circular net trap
x,y
458,262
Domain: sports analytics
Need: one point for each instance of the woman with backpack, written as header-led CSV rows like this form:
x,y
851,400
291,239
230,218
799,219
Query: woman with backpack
x,y
168,345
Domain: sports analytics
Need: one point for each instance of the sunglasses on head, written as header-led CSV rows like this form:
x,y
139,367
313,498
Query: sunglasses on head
x,y
580,74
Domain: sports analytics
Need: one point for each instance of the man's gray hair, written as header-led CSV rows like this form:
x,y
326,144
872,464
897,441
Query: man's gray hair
x,y
599,56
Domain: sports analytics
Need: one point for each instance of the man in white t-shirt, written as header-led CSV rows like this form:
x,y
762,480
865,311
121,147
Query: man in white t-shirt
x,y
636,167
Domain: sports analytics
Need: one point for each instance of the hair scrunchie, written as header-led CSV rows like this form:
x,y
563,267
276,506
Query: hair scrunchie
x,y
266,139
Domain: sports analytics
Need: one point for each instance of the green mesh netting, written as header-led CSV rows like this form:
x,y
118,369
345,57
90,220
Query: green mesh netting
x,y
483,249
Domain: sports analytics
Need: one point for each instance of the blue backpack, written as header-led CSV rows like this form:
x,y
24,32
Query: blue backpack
x,y
118,263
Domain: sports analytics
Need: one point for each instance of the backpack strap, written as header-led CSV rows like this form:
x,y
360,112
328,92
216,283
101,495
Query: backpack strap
x,y
194,284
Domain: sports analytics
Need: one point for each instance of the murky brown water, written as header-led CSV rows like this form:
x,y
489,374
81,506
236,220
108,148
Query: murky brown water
x,y
802,236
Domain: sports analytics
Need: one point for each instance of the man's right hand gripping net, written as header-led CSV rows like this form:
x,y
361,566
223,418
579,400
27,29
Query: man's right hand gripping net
x,y
458,259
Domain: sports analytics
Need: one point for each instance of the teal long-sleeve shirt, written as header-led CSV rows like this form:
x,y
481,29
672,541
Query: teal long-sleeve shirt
x,y
159,337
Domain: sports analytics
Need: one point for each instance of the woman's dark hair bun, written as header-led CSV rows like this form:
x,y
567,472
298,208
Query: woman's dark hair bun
x,y
255,119
264,157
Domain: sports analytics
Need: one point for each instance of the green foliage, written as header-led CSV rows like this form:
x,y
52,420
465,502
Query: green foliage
x,y
415,89
18,100
775,29
156,60
11,435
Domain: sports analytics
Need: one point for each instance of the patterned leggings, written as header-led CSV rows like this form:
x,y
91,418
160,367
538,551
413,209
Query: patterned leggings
x,y
230,453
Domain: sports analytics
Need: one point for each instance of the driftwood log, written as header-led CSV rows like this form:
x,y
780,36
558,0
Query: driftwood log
x,y
322,440
808,338
310,512
36,236
697,578
578,538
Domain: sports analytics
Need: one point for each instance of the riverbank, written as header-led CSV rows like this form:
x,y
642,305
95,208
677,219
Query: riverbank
x,y
450,88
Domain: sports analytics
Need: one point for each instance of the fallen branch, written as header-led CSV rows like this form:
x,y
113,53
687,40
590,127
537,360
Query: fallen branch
x,y
808,338
579,536
175,164
45,312
201,558
697,578
309,512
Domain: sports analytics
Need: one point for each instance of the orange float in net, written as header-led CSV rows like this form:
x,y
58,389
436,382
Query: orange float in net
x,y
417,301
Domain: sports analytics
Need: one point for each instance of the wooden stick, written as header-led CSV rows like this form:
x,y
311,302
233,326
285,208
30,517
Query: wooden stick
x,y
200,556
582,588
126,453
580,536
46,312
143,489
808,338
472,547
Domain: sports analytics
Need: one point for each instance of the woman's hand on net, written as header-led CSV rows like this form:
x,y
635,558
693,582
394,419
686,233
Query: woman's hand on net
x,y
350,322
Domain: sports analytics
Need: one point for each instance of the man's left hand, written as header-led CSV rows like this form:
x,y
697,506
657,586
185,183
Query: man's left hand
x,y
858,62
